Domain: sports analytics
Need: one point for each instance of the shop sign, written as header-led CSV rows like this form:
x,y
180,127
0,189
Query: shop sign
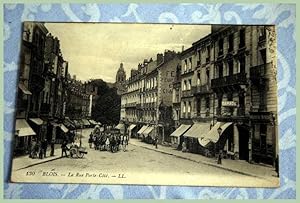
x,y
229,104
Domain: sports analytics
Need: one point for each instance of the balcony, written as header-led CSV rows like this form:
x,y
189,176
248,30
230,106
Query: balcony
x,y
242,46
201,89
37,82
130,105
185,72
257,73
150,105
231,80
187,93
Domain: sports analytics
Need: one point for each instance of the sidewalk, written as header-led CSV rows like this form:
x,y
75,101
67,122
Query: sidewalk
x,y
25,161
237,166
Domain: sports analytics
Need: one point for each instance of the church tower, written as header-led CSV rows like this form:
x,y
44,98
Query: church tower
x,y
121,79
121,74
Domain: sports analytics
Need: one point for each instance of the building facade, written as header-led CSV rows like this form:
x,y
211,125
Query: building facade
x,y
147,101
228,96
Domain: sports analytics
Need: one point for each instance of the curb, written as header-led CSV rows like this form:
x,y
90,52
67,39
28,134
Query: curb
x,y
204,162
39,163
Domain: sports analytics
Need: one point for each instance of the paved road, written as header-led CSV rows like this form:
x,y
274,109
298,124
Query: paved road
x,y
136,165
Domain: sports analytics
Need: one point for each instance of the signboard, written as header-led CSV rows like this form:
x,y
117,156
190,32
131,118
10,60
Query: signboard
x,y
229,103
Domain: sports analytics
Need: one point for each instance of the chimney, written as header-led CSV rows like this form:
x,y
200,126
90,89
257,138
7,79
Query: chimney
x,y
159,58
182,48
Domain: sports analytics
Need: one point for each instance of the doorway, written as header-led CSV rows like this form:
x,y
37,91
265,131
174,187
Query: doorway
x,y
243,142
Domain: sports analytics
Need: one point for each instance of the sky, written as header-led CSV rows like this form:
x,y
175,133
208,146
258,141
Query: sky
x,y
95,50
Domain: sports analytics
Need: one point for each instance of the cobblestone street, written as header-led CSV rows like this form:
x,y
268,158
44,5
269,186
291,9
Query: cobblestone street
x,y
145,165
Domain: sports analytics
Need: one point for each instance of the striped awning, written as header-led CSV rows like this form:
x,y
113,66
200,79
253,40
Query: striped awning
x,y
148,131
37,121
120,126
142,129
93,122
198,130
63,128
213,134
132,126
85,122
24,89
180,130
23,128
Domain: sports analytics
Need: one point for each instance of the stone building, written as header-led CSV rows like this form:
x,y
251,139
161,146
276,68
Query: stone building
x,y
229,94
147,101
196,115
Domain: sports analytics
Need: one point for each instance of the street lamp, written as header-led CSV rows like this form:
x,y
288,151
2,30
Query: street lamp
x,y
219,154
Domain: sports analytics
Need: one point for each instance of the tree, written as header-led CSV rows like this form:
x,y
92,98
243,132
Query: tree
x,y
108,104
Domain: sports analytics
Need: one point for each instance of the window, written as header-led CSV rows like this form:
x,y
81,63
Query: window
x,y
198,78
185,65
208,54
189,107
190,84
242,64
190,65
207,76
184,107
230,67
263,138
220,43
263,56
198,106
230,43
207,104
184,85
220,70
199,57
242,38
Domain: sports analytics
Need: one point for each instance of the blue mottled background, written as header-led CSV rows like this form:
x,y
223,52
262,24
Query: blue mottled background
x,y
283,15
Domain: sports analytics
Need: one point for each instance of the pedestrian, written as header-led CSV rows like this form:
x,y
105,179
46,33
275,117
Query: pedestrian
x,y
183,146
91,140
64,149
277,165
44,147
125,143
40,150
32,148
52,147
220,157
156,141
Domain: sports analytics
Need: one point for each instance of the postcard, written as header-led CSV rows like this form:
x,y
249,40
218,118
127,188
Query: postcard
x,y
147,104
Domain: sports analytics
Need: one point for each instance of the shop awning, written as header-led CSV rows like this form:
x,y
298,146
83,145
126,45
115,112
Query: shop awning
x,y
85,122
23,128
24,89
142,129
148,130
54,124
68,123
120,126
132,126
213,134
180,130
198,130
37,121
63,128
93,122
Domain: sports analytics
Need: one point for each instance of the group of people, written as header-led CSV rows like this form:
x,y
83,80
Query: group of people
x,y
38,149
107,140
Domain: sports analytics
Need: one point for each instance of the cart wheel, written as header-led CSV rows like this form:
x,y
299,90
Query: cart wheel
x,y
80,155
72,152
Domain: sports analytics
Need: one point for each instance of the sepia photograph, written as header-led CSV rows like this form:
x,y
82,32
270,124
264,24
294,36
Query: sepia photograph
x,y
147,104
